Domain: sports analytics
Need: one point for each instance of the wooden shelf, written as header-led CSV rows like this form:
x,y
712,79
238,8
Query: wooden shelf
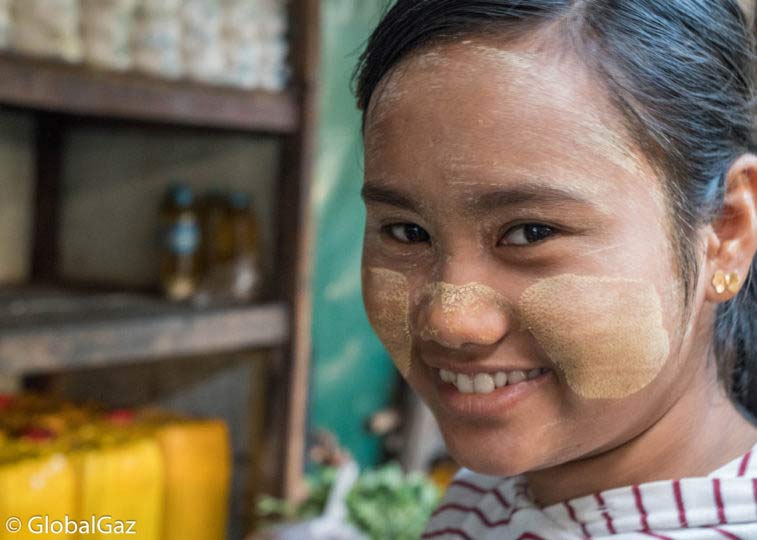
x,y
79,90
50,330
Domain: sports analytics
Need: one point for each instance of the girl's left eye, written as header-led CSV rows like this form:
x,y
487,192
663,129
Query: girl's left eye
x,y
528,233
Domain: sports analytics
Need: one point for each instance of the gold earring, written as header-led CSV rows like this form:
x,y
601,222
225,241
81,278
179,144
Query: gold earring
x,y
732,282
719,282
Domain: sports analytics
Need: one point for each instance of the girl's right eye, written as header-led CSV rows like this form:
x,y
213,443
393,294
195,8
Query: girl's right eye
x,y
407,233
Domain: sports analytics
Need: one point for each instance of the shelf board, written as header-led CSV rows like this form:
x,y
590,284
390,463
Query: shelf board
x,y
80,90
50,330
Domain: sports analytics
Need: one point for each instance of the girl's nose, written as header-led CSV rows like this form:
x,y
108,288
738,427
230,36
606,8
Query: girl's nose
x,y
458,315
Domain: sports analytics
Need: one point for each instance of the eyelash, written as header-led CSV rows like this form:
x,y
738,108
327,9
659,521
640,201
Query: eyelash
x,y
389,231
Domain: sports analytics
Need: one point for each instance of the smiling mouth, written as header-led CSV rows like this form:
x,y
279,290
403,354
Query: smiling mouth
x,y
486,383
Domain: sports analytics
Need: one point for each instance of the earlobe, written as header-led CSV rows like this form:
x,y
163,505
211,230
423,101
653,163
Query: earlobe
x,y
733,240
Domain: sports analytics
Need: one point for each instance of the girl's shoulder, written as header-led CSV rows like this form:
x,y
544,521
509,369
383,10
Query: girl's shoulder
x,y
481,507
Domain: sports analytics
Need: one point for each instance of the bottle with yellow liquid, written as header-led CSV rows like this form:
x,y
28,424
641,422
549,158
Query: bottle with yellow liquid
x,y
180,231
246,280
216,246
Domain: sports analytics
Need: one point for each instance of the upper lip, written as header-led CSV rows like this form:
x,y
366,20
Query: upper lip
x,y
473,369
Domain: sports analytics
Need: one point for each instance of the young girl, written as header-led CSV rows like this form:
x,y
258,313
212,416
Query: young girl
x,y
561,230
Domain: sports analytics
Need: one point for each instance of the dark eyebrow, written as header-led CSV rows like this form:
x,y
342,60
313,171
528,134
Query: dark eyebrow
x,y
484,202
385,195
522,195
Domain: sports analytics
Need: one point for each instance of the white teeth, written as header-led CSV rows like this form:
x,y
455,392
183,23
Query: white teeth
x,y
464,383
483,383
534,373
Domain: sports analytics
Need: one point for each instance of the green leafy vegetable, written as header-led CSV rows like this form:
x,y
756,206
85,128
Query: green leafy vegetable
x,y
384,503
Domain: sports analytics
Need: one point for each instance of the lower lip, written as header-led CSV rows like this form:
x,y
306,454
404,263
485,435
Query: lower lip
x,y
494,404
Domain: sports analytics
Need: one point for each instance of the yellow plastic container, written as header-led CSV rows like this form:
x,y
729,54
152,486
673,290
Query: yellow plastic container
x,y
37,488
197,457
120,490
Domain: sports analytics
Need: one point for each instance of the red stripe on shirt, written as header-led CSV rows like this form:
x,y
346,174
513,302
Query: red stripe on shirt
x,y
744,463
473,487
608,519
655,535
468,485
643,515
501,498
679,503
530,536
726,534
718,500
640,508
572,514
478,512
458,532
461,508
483,491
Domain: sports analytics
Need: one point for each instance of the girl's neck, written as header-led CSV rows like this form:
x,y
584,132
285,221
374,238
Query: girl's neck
x,y
701,432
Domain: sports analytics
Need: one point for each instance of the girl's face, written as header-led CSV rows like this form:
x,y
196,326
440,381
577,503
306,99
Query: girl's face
x,y
513,232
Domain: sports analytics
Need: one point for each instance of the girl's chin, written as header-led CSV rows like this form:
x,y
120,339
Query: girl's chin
x,y
486,454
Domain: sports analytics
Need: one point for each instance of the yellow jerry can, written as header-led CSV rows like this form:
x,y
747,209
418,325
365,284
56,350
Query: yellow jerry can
x,y
197,456
37,493
120,490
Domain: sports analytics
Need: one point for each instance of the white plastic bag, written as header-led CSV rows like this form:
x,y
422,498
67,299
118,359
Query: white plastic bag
x,y
333,524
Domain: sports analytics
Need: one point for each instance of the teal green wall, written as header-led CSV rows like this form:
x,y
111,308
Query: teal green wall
x,y
352,377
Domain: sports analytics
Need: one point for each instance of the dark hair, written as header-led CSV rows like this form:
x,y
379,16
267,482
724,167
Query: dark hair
x,y
679,72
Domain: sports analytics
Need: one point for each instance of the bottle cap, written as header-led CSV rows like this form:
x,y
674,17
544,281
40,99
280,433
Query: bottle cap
x,y
181,194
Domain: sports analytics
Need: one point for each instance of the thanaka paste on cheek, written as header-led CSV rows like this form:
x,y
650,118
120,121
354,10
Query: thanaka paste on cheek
x,y
387,306
605,334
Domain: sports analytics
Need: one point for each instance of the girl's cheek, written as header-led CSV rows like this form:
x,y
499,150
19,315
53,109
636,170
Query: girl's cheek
x,y
606,334
385,294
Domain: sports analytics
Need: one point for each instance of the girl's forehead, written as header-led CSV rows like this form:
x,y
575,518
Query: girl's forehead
x,y
471,110
518,72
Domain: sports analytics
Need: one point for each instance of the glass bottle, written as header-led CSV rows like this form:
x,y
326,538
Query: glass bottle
x,y
244,228
216,246
179,265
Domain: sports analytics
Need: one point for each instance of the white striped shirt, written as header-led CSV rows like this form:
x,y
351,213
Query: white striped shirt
x,y
720,506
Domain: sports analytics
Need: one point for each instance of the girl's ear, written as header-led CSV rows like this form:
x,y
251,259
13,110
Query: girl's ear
x,y
732,241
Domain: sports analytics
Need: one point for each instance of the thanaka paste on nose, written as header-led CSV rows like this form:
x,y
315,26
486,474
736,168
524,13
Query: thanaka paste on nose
x,y
461,302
